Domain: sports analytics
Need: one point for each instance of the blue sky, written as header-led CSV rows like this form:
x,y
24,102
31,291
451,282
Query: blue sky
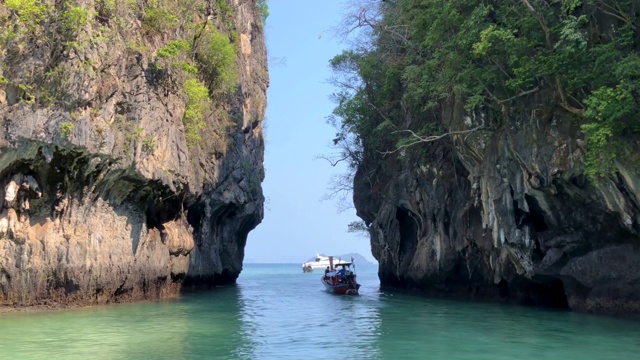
x,y
297,222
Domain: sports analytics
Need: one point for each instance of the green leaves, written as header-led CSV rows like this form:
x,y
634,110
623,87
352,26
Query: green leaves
x,y
426,53
38,19
197,105
263,10
572,35
492,38
30,12
202,61
569,6
74,19
216,60
66,128
174,48
613,114
156,20
611,104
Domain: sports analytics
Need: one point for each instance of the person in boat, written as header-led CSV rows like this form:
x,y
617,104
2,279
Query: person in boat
x,y
326,271
342,274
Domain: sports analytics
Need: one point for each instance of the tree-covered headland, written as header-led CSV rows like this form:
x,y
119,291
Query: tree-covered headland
x,y
576,60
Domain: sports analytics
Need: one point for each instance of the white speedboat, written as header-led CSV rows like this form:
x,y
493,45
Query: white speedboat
x,y
320,262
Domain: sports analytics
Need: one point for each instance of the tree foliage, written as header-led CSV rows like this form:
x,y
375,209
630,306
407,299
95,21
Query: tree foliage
x,y
187,46
197,106
216,57
424,54
263,10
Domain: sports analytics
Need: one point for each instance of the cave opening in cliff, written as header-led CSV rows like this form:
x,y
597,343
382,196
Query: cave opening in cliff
x,y
408,229
541,290
535,216
195,214
503,288
549,292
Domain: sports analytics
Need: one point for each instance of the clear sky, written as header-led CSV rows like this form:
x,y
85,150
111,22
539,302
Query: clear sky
x,y
297,222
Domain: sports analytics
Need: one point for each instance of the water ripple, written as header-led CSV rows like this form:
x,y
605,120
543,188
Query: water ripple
x,y
277,312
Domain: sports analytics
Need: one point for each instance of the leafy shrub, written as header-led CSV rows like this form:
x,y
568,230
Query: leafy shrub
x,y
263,9
197,105
174,64
492,56
74,19
612,114
216,58
66,127
226,12
105,9
148,144
157,20
30,12
173,48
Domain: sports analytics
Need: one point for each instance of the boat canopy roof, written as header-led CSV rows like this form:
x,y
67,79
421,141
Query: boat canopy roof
x,y
342,264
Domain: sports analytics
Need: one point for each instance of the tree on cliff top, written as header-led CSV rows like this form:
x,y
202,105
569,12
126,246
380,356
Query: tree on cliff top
x,y
423,55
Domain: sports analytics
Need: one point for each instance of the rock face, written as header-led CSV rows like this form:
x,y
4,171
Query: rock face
x,y
102,198
505,213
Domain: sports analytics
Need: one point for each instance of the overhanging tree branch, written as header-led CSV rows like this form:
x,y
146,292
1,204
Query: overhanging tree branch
x,y
547,34
417,139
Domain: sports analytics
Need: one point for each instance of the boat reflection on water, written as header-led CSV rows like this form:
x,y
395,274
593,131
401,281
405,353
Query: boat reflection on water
x,y
288,319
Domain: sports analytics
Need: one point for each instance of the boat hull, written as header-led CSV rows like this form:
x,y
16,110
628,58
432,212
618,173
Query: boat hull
x,y
340,288
322,262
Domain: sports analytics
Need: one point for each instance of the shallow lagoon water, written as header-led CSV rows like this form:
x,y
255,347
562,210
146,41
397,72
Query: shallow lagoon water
x,y
278,312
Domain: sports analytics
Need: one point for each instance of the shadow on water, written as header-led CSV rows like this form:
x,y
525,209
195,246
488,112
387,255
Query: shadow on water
x,y
422,328
195,327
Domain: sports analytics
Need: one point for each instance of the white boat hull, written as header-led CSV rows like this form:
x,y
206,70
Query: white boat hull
x,y
322,262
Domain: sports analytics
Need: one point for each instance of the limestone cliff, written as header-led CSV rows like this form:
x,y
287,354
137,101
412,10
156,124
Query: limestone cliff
x,y
505,213
496,148
119,179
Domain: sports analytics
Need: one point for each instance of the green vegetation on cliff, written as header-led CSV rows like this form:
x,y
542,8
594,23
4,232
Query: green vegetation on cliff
x,y
419,57
190,47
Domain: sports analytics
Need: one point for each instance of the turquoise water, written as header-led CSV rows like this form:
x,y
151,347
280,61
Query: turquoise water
x,y
278,312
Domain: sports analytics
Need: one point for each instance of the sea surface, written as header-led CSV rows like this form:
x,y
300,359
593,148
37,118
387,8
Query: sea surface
x,y
278,312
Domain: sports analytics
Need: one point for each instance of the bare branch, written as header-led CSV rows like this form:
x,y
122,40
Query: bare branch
x,y
616,12
340,189
563,100
524,93
541,21
334,161
361,15
500,101
277,61
417,139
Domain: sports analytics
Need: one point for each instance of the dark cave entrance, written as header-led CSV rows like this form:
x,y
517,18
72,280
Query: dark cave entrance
x,y
541,290
548,292
535,217
408,229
